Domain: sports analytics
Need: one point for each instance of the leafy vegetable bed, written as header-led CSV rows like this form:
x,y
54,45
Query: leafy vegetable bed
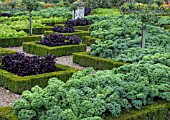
x,y
94,95
18,84
121,39
22,65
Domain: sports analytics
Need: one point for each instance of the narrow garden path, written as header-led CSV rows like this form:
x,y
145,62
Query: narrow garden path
x,y
7,98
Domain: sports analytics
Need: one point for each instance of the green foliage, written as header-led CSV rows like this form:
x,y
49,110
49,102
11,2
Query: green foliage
x,y
157,58
53,12
96,93
23,24
7,32
164,20
30,4
48,12
121,38
12,3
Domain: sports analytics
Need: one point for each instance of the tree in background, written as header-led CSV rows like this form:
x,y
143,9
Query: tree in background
x,y
146,16
159,3
30,6
12,4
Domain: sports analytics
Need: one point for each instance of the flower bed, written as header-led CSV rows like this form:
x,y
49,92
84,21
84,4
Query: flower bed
x,y
11,42
18,84
42,50
86,60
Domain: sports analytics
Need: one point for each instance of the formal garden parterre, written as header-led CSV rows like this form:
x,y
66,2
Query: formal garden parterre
x,y
128,65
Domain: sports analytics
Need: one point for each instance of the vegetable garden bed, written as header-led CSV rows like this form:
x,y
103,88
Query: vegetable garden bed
x,y
86,60
79,33
18,84
42,50
16,42
156,111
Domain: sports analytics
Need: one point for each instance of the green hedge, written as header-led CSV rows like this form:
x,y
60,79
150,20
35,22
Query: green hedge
x,y
18,84
157,111
84,59
4,51
166,26
42,50
79,33
53,23
37,31
88,40
11,42
85,28
6,113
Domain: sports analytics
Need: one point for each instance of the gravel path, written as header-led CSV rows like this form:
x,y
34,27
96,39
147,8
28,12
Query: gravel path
x,y
7,98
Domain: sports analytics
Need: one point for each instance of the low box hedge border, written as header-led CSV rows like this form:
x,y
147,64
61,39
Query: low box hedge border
x,y
85,27
4,51
79,33
166,26
42,50
16,42
18,84
53,23
37,31
157,111
84,59
89,40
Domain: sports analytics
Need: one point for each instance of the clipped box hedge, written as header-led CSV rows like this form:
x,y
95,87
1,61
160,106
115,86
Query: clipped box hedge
x,y
18,84
53,23
89,40
16,42
42,50
84,59
85,27
4,51
79,33
166,26
37,31
159,110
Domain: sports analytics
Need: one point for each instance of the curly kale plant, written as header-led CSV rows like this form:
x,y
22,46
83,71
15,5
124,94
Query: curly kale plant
x,y
90,95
